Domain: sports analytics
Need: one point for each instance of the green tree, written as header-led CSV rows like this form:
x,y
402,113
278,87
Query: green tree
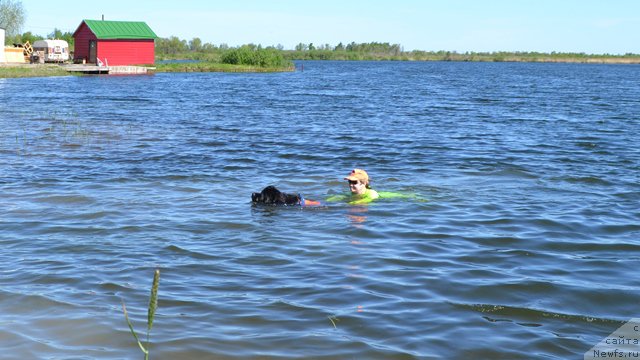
x,y
195,44
172,45
21,39
12,17
208,47
58,34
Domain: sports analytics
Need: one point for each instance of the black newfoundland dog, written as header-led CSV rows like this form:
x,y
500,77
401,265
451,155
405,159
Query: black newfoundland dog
x,y
272,196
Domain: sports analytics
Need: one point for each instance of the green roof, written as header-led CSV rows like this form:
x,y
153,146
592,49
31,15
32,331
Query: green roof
x,y
104,29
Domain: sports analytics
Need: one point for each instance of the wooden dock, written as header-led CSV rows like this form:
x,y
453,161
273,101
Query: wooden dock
x,y
110,70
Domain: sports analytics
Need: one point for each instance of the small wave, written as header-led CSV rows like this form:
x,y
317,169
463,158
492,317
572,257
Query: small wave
x,y
627,195
214,143
483,100
588,180
586,145
595,249
99,215
127,99
530,315
193,254
66,199
71,145
112,288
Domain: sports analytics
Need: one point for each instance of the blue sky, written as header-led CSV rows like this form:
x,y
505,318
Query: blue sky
x,y
590,26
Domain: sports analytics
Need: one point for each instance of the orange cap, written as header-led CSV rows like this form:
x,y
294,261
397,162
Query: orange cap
x,y
358,174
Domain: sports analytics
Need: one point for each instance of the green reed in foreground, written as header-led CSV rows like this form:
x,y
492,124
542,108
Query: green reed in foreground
x,y
153,305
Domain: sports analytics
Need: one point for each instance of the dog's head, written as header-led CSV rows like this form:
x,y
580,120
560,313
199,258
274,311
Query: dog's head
x,y
272,196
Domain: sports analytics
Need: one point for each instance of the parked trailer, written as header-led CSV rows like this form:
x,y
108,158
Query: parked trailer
x,y
52,50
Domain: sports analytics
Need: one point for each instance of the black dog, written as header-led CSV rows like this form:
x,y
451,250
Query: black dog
x,y
272,196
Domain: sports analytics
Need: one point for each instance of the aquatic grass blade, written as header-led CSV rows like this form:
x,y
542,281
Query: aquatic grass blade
x,y
333,320
126,316
153,301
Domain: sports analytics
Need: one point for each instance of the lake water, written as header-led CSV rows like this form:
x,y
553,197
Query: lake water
x,y
528,246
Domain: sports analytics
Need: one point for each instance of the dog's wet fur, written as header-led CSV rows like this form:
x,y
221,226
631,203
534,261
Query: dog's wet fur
x,y
272,196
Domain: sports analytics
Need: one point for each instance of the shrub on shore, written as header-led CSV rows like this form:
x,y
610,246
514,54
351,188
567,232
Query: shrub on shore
x,y
207,66
255,56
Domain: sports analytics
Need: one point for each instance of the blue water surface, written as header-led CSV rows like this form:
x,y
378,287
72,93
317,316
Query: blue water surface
x,y
527,246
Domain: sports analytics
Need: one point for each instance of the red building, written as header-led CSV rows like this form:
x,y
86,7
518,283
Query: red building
x,y
114,42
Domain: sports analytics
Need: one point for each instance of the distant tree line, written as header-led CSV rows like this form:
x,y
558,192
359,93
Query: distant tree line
x,y
174,48
168,48
372,47
30,37
517,56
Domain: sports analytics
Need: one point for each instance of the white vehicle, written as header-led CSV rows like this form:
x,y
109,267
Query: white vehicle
x,y
52,50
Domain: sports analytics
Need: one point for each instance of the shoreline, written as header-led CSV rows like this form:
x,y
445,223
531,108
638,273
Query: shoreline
x,y
205,66
24,70
543,58
20,70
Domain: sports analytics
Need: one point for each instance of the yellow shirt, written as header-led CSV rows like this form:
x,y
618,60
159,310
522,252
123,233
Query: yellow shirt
x,y
354,199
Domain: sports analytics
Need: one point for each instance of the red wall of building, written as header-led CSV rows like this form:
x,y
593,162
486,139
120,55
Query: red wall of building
x,y
82,37
126,52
